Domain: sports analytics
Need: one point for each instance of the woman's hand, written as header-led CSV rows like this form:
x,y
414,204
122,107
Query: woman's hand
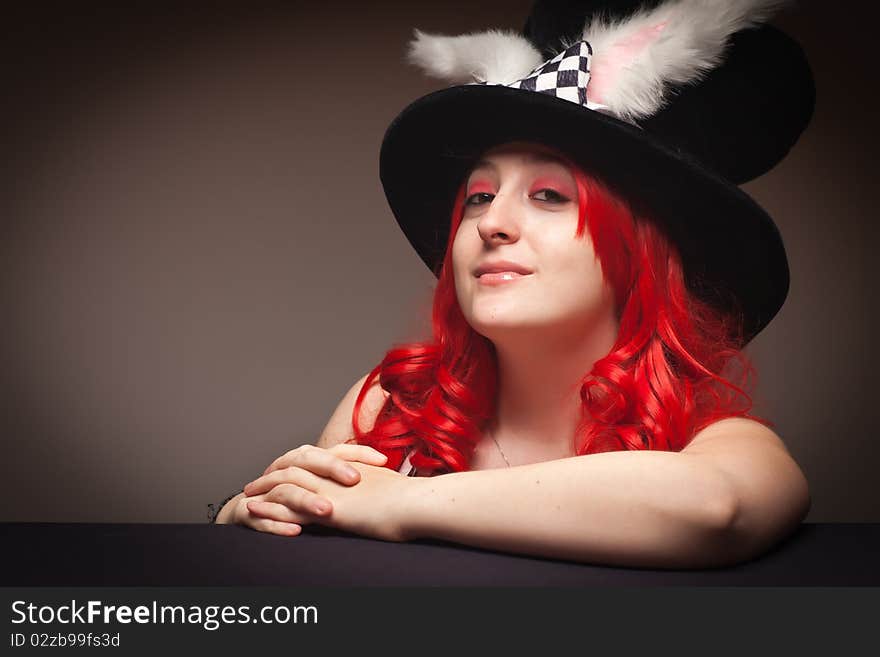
x,y
239,514
375,507
299,472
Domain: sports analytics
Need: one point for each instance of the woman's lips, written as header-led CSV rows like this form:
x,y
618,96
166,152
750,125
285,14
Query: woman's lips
x,y
500,277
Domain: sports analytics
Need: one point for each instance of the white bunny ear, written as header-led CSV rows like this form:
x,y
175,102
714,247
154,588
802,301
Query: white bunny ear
x,y
636,59
495,56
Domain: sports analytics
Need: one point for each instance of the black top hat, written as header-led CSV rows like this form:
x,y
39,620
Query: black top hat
x,y
671,104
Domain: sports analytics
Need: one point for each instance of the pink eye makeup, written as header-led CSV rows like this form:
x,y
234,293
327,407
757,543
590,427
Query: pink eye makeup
x,y
555,183
480,187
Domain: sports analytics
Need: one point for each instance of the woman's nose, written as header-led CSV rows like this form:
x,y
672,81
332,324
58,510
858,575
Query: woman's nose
x,y
500,222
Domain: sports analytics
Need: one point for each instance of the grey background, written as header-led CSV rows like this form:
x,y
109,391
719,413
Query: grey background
x,y
197,258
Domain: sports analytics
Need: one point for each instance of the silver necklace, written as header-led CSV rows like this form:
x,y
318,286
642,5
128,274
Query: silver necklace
x,y
500,451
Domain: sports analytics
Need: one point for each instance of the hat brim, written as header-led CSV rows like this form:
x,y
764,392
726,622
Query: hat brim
x,y
730,247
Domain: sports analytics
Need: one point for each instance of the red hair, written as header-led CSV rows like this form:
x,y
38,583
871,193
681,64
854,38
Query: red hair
x,y
677,364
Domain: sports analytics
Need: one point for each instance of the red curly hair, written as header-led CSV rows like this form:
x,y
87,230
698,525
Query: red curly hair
x,y
677,364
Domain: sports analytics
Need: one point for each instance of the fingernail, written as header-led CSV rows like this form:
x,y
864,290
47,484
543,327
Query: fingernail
x,y
349,472
321,507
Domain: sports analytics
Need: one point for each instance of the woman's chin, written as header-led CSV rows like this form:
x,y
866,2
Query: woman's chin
x,y
498,327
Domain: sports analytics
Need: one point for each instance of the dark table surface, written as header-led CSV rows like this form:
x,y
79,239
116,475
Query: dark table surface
x,y
104,554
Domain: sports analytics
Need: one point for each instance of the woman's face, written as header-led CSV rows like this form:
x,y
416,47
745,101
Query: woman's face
x,y
521,207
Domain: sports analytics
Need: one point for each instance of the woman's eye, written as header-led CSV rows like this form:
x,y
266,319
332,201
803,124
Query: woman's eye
x,y
479,198
551,196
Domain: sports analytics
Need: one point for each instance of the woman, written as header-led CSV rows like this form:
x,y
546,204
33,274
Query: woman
x,y
580,397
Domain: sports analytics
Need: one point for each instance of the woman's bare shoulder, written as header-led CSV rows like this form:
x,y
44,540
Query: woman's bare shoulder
x,y
339,428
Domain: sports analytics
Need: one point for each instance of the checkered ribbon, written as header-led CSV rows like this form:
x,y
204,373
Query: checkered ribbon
x,y
565,76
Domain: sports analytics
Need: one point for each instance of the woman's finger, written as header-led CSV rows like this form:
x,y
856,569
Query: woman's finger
x,y
321,462
275,527
343,452
315,459
303,478
362,453
279,512
296,506
245,517
299,501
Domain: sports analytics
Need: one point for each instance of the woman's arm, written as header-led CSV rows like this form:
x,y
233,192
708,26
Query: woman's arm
x,y
727,497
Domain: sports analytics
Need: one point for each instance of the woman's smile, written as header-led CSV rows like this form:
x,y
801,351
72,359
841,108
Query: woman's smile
x,y
493,279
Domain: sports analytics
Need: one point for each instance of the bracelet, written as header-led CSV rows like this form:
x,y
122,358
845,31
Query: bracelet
x,y
212,513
